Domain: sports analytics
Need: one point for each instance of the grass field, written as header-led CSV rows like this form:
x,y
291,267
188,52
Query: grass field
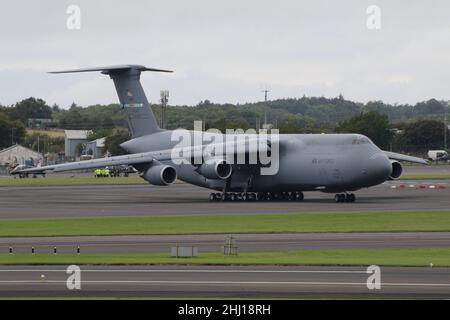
x,y
390,257
133,180
220,224
425,177
50,133
67,181
433,163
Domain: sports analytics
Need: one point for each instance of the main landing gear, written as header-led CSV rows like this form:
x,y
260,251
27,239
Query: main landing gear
x,y
257,196
345,197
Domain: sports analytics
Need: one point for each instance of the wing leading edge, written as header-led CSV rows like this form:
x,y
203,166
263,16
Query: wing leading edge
x,y
131,159
402,157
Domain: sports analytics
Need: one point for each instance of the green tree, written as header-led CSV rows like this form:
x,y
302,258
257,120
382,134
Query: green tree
x,y
95,117
422,135
294,123
371,124
11,132
30,108
97,134
112,142
79,149
44,143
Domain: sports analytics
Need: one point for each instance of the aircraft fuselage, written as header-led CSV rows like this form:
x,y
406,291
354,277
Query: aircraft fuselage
x,y
307,162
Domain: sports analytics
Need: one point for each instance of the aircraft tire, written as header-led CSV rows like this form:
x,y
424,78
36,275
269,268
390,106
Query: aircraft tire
x,y
337,198
299,196
352,197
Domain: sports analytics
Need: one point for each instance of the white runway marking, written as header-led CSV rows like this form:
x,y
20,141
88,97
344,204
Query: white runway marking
x,y
111,282
191,271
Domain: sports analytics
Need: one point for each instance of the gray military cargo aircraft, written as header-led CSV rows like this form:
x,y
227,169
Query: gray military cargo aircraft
x,y
331,163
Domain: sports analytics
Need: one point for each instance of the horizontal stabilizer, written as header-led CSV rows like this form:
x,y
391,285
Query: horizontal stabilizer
x,y
110,69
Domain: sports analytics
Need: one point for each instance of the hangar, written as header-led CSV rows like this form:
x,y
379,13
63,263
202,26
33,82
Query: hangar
x,y
96,147
18,154
73,138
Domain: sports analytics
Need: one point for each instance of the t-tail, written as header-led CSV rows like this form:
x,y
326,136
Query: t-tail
x,y
141,119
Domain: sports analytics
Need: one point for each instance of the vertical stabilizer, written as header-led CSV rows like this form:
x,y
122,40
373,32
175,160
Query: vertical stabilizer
x,y
141,119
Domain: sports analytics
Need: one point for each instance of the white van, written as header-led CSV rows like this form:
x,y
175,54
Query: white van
x,y
437,155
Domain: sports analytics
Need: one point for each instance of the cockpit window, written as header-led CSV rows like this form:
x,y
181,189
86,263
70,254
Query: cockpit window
x,y
361,140
364,140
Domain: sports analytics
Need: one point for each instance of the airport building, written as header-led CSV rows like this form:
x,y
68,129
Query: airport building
x,y
18,154
39,123
96,148
72,138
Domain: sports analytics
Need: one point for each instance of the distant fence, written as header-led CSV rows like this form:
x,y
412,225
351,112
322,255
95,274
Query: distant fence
x,y
4,170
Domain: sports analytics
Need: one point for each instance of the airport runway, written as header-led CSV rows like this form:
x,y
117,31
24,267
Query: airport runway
x,y
407,169
209,281
214,243
184,199
219,281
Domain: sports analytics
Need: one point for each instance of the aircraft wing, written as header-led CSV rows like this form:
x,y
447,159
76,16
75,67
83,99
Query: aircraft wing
x,y
130,159
402,157
214,150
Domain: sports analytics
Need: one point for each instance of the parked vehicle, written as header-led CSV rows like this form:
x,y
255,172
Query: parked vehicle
x,y
437,155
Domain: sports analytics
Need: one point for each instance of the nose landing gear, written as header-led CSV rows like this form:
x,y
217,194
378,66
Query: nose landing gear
x,y
344,197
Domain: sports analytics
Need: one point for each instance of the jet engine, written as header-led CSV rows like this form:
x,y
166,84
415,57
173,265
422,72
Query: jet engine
x,y
160,175
396,170
215,169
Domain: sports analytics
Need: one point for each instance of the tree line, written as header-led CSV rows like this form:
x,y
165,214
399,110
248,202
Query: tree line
x,y
420,125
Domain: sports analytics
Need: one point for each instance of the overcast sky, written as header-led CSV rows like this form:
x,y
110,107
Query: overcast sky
x,y
227,51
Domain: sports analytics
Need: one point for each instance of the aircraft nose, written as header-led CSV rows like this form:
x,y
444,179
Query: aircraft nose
x,y
379,168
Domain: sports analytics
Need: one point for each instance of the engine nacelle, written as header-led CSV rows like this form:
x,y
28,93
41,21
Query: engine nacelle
x,y
397,170
160,175
216,169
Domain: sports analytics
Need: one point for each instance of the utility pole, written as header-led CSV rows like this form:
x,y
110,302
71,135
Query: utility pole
x,y
266,91
164,99
445,131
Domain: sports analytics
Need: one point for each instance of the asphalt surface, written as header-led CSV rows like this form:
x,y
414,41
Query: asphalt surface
x,y
184,199
219,281
209,281
410,169
214,243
